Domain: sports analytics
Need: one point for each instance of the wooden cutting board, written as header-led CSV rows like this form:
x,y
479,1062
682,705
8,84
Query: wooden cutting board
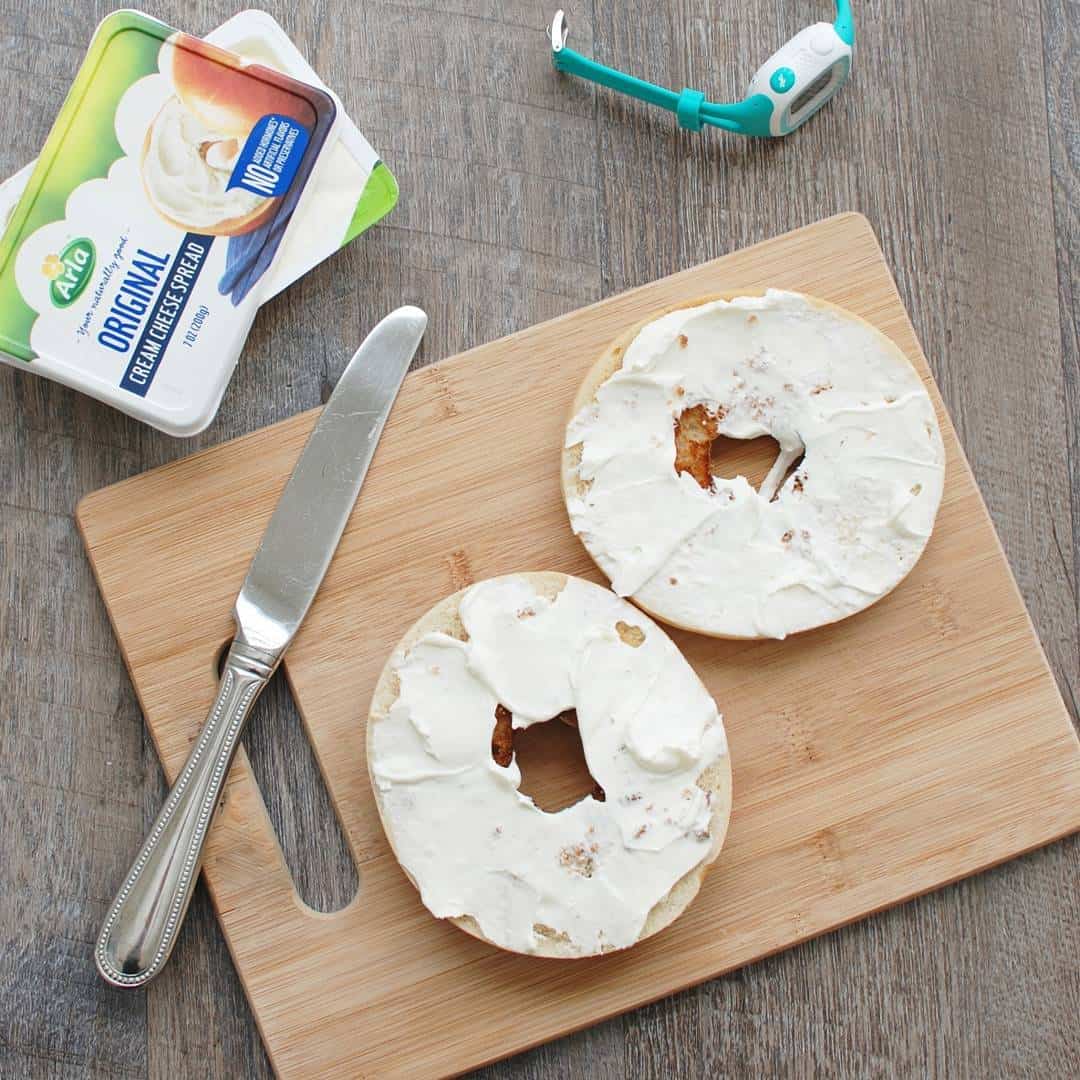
x,y
911,745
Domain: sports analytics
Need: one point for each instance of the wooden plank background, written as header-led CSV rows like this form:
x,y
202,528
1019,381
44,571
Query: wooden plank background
x,y
525,196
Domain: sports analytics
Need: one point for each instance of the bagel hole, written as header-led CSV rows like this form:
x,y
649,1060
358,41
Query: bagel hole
x,y
752,458
554,773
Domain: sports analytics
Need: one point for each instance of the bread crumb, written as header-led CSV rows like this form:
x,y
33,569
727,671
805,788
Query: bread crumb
x,y
629,634
821,388
916,488
541,930
683,341
787,537
577,860
502,738
695,430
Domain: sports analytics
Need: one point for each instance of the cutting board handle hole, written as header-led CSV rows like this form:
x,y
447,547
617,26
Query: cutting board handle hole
x,y
313,842
219,658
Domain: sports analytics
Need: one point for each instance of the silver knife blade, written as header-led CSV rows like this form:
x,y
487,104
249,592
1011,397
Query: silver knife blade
x,y
307,523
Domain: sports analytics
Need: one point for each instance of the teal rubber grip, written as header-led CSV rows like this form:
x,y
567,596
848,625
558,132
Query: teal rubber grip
x,y
688,109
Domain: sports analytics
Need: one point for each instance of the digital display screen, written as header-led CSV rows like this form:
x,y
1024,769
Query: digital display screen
x,y
811,92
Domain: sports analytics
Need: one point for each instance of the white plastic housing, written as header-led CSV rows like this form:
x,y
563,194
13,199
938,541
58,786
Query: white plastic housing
x,y
820,61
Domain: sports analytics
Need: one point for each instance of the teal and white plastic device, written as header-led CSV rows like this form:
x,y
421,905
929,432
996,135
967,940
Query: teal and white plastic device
x,y
784,93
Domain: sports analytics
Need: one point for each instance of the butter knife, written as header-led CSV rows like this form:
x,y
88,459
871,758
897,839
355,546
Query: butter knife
x,y
300,539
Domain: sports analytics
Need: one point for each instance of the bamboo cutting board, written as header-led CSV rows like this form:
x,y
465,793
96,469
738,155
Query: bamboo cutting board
x,y
904,748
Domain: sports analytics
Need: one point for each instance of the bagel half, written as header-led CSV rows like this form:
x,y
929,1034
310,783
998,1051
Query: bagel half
x,y
575,486
444,618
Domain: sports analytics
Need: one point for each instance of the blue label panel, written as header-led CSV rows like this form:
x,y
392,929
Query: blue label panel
x,y
270,157
157,333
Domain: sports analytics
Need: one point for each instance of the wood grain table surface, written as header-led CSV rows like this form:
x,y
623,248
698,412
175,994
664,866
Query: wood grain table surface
x,y
523,196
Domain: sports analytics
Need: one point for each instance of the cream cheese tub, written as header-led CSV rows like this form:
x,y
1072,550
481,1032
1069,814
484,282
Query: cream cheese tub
x,y
183,184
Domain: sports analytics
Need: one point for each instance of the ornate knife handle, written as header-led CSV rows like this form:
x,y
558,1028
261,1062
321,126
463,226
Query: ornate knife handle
x,y
141,927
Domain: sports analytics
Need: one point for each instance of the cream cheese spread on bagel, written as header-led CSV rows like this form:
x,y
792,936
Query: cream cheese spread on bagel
x,y
841,518
594,876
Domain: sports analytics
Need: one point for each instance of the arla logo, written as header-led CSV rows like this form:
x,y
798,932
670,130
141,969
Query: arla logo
x,y
69,271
